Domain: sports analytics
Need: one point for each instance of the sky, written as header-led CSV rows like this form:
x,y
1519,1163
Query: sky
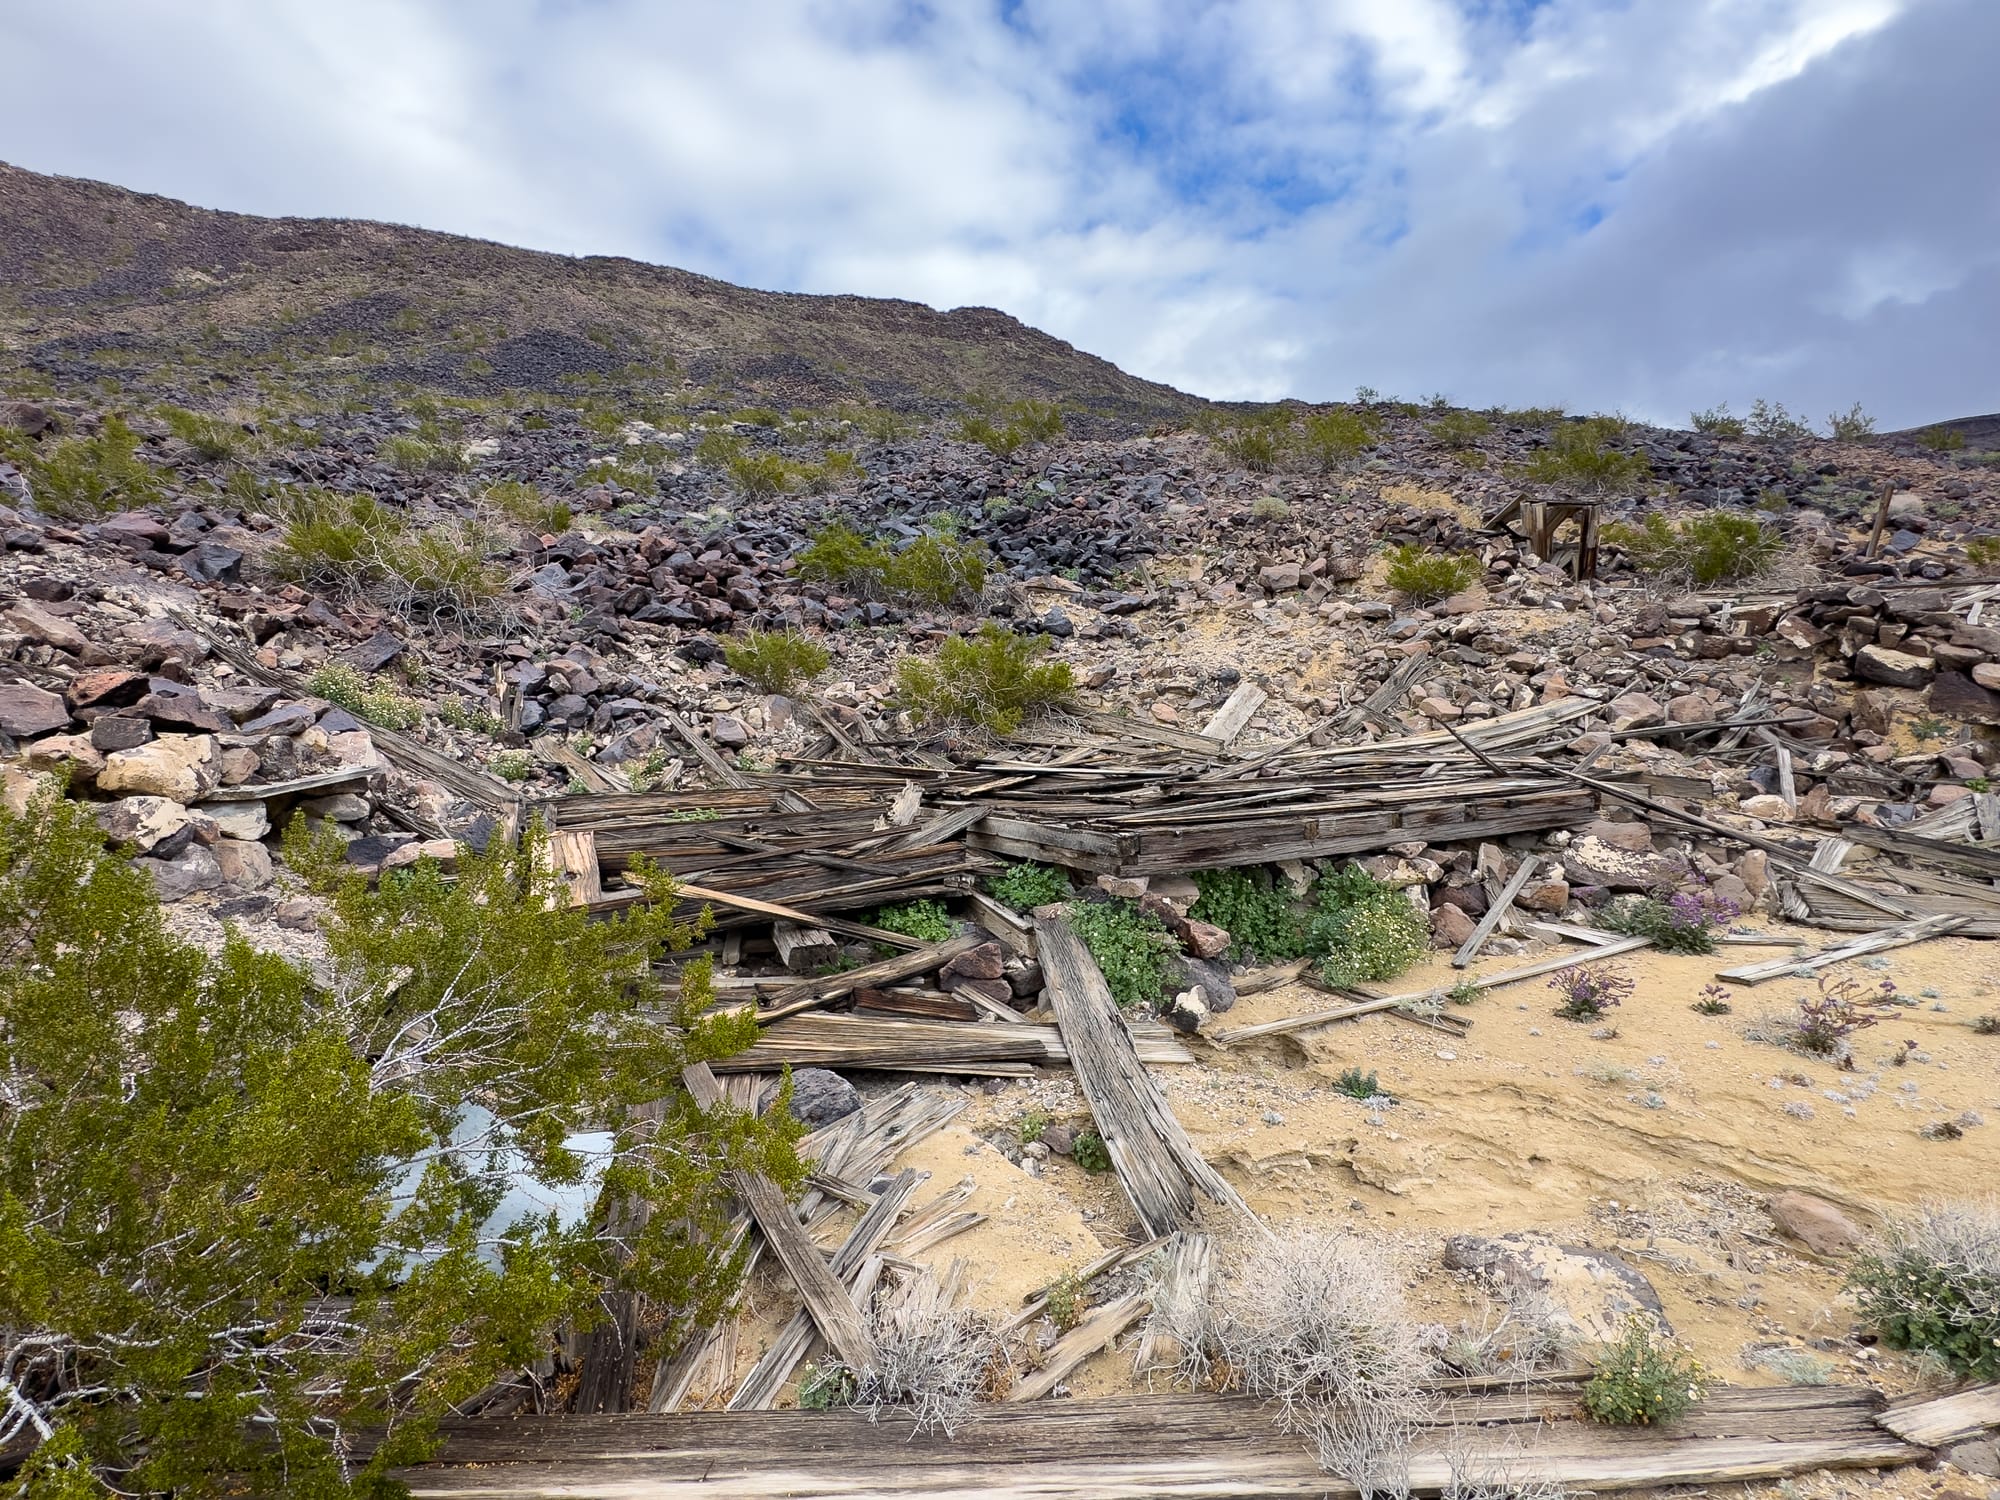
x,y
1646,206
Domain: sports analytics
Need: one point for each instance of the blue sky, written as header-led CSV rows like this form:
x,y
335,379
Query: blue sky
x,y
1641,205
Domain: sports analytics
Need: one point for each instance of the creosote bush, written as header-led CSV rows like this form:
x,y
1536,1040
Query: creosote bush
x,y
993,680
1424,577
1933,1284
1457,429
1707,549
1006,429
1132,947
82,478
777,661
198,1147
211,437
1577,456
1717,422
1027,885
1329,439
1642,1380
526,505
439,571
1771,423
1852,425
933,569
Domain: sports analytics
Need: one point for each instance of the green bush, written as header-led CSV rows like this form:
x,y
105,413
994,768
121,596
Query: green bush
x,y
1007,429
1458,429
1090,1152
201,1147
1934,1285
933,569
1770,422
1717,422
1361,930
81,478
1531,416
327,538
926,921
1576,456
1356,1084
994,680
1257,447
443,571
511,765
1030,1126
826,1386
1027,885
1983,551
760,475
423,455
372,699
526,505
1258,912
1067,1302
211,437
838,467
1333,438
1132,947
777,661
1269,508
1941,439
1424,577
1852,425
1707,549
1642,1380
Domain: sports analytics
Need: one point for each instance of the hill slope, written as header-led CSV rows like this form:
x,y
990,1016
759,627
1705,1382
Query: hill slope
x,y
96,280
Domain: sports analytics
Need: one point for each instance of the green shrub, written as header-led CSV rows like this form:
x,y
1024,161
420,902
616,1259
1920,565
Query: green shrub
x,y
526,505
1259,913
473,718
926,921
1717,422
1361,930
1771,423
81,478
511,765
211,437
1090,1152
1707,549
777,661
616,475
1356,1084
933,569
328,538
1458,429
1852,425
422,455
1424,577
760,475
1256,447
1942,439
1132,947
1027,885
1031,1125
994,680
1983,551
1269,508
759,416
442,571
826,1386
368,698
1066,1302
1006,430
838,467
201,1146
1531,416
1685,922
1333,438
1576,456
1642,1380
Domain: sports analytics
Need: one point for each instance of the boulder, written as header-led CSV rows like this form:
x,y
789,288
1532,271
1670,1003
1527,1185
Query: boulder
x,y
341,807
1451,925
1891,668
1587,1294
243,864
143,822
1815,1223
240,820
1766,808
1279,577
193,870
117,732
1591,861
26,710
1636,838
107,687
1636,711
181,766
819,1097
71,752
37,624
1210,976
1549,895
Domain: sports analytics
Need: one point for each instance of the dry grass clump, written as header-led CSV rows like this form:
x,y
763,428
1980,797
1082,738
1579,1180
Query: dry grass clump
x,y
931,1356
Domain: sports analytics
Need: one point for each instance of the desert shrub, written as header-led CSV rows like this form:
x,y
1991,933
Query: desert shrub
x,y
1259,913
526,505
1256,448
759,416
1030,1126
1933,1284
1771,423
1424,577
926,921
1531,416
1361,930
1315,1322
329,539
199,1146
1795,1366
1714,1001
1642,1380
1983,551
826,1386
1132,947
927,1354
1589,994
422,455
1007,429
1987,1025
1826,1020
994,680
1090,1152
511,765
1066,1302
933,569
211,437
371,698
1717,422
1356,1084
1576,455
473,718
759,475
1707,549
1941,439
1684,922
1332,438
1852,425
443,571
1027,885
1458,429
80,478
777,661
1269,508
619,476
836,468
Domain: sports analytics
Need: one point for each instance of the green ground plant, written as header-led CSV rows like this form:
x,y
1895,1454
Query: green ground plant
x,y
1031,1125
1459,429
1132,947
1361,930
82,478
422,454
1259,913
211,437
1006,429
1329,439
1983,551
1706,549
199,1146
1642,1380
993,680
1090,1152
1717,422
776,661
375,699
1066,1302
526,505
1356,1084
926,921
1027,885
1424,577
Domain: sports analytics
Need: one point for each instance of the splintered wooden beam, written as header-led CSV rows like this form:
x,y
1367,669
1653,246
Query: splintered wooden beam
x,y
1469,949
1073,1348
1874,942
791,914
924,960
832,1309
1235,714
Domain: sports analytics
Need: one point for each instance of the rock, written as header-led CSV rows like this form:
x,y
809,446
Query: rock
x,y
353,747
26,710
1177,891
133,526
239,820
1452,927
1956,696
107,687
297,914
71,752
37,624
117,732
1754,870
1279,577
728,732
1636,711
1188,1011
1766,808
1987,675
1202,939
193,870
1636,838
1549,895
239,765
1876,663
288,718
1210,976
375,653
1057,624
1815,1223
819,1097
444,851
983,962
243,864
143,822
1585,1293
1125,887
1061,1139
1591,861
341,807
1905,506
1689,708
1980,1456
181,766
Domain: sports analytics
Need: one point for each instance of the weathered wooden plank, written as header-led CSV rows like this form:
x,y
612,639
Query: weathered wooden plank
x,y
802,949
572,854
1874,942
1469,949
1944,1420
1236,712
922,960
781,913
1094,1333
832,1309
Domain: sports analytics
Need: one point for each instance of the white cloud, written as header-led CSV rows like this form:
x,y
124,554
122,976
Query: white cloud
x,y
1247,199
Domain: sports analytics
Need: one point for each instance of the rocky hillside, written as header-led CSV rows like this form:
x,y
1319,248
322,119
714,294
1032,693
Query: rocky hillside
x,y
98,283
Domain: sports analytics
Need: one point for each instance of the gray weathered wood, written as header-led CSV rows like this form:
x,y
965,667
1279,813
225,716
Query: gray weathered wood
x,y
922,960
1094,1333
1469,949
1874,942
801,949
1943,1420
1236,712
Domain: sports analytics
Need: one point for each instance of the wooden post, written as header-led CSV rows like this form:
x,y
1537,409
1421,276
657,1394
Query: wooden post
x,y
1882,500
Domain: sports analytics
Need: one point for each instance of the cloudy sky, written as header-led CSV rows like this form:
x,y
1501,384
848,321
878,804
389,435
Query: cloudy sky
x,y
1643,205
